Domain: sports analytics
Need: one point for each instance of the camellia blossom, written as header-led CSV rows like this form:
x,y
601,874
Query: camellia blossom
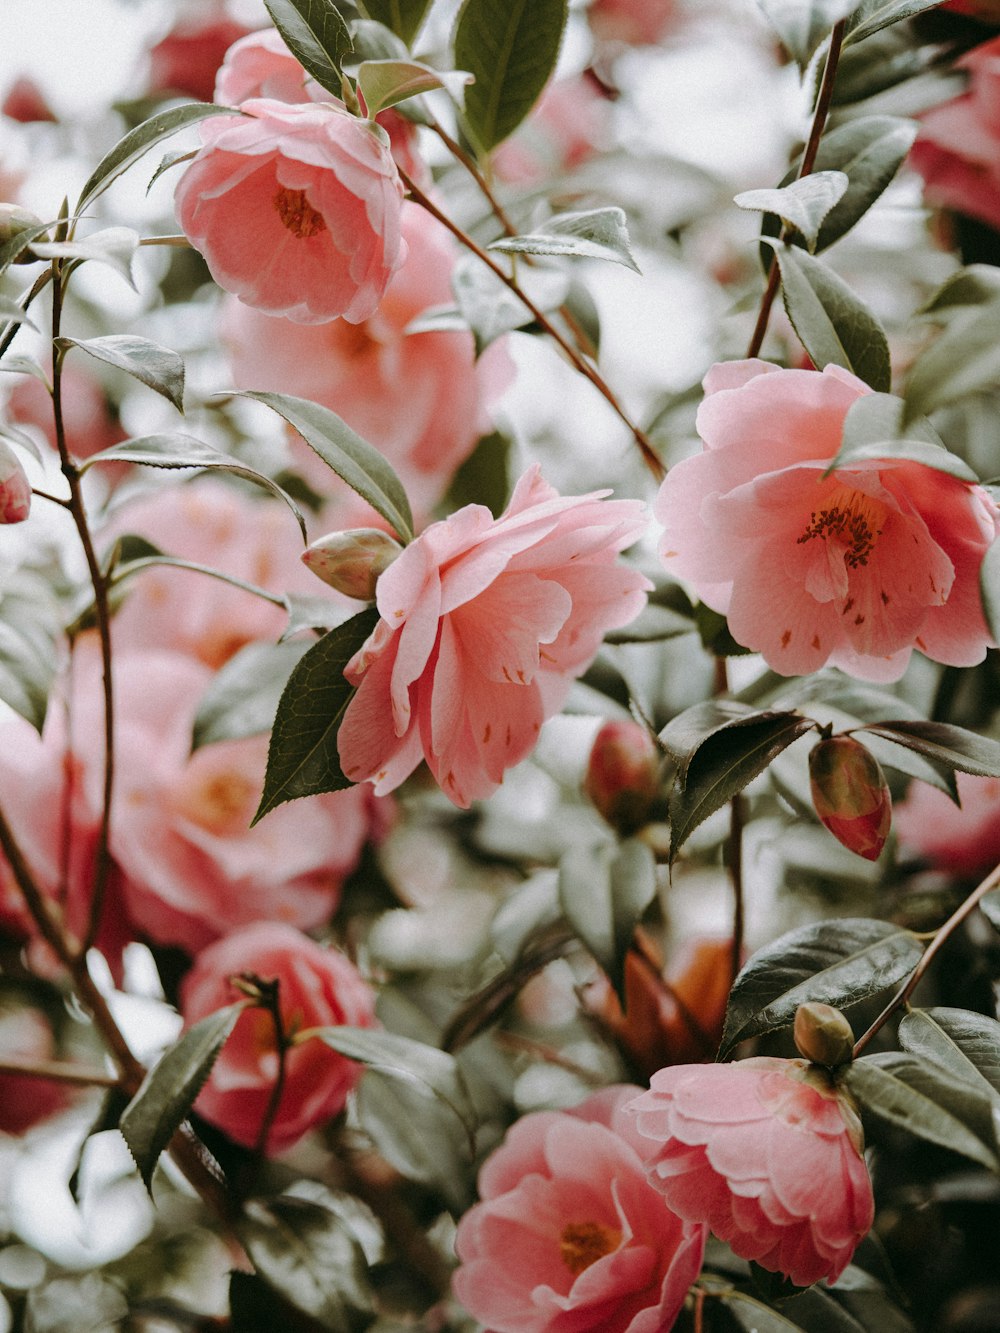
x,y
855,568
317,987
186,59
569,1236
636,22
560,134
295,209
959,840
767,1152
15,488
484,624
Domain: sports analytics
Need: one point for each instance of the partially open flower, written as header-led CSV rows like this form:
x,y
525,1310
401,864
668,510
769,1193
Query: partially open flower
x,y
15,488
850,794
623,775
822,1034
352,561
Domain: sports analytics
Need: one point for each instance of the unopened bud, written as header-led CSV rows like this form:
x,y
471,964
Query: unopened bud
x,y
822,1034
352,561
15,489
13,220
623,775
850,794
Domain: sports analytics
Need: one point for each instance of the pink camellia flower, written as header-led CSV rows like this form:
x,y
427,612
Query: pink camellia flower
x,y
15,488
560,133
421,398
634,22
26,1034
485,623
958,149
856,568
25,102
89,423
295,209
317,987
187,58
959,840
850,794
623,774
767,1152
569,1237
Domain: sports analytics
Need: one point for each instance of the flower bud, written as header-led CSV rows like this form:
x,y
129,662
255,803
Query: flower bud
x,y
850,794
13,220
822,1034
352,561
15,489
623,775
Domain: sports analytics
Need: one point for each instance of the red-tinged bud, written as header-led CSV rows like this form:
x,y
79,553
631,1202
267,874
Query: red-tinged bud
x,y
822,1034
13,220
25,102
850,794
352,561
623,775
15,489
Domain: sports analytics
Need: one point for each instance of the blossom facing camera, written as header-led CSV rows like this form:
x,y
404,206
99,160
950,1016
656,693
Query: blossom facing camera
x,y
623,775
317,987
296,209
850,794
15,488
767,1152
569,1234
484,624
351,562
855,568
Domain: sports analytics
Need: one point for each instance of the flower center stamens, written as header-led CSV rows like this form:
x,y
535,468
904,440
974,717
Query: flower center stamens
x,y
583,1243
297,214
852,522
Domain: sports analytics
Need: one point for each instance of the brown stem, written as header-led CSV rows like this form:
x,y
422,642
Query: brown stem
x,y
55,499
59,1071
822,109
269,999
540,1050
991,882
577,360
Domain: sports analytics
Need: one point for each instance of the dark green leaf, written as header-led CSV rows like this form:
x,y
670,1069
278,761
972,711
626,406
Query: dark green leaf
x,y
244,694
27,670
386,82
834,962
964,359
176,450
403,17
483,477
353,459
802,204
653,624
713,630
977,284
872,430
155,366
989,586
316,34
964,1044
303,759
140,140
942,742
803,24
169,1090
604,893
755,1316
833,323
114,246
924,1099
873,15
684,734
510,47
599,233
308,1255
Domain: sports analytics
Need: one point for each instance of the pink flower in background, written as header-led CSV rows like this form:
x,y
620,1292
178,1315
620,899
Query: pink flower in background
x,y
635,22
187,58
15,488
960,840
420,398
89,422
25,102
295,209
856,568
560,133
958,149
317,987
485,623
768,1154
569,1237
26,1034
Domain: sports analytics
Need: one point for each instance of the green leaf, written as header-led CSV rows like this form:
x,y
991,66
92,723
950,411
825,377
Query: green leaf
x,y
871,431
604,893
803,204
308,1255
964,359
976,284
244,694
755,1316
403,17
835,962
386,82
964,1044
13,249
353,459
833,323
483,478
11,312
157,367
598,233
715,769
176,450
490,308
316,34
169,1089
803,24
873,15
138,141
169,160
989,905
114,246
924,1099
510,47
302,759
989,586
29,627
942,742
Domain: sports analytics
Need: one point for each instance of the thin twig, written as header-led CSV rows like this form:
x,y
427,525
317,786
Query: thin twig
x,y
59,1071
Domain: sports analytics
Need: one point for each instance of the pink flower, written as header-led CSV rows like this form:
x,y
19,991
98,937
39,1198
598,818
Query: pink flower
x,y
88,420
569,1237
768,1154
317,987
420,398
623,774
295,209
958,149
960,840
850,794
635,22
485,623
15,488
856,568
560,133
187,58
25,102
26,1034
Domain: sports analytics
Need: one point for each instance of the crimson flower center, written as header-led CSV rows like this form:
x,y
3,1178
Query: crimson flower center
x,y
297,214
852,520
583,1243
